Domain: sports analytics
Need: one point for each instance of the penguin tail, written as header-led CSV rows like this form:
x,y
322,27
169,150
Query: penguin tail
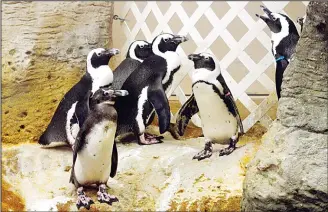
x,y
43,140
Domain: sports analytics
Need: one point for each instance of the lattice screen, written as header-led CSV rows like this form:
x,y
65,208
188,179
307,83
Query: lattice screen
x,y
229,30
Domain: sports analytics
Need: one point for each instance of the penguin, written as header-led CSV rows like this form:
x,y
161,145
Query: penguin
x,y
137,52
211,97
64,126
95,156
148,86
281,65
284,35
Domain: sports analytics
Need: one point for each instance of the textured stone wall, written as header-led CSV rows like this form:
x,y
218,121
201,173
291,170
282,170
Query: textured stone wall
x,y
44,49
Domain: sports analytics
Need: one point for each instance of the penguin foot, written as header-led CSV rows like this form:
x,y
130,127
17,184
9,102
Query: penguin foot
x,y
226,151
104,197
230,148
151,139
83,200
150,136
205,153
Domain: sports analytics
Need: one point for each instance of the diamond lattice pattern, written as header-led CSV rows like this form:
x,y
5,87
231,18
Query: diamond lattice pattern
x,y
229,30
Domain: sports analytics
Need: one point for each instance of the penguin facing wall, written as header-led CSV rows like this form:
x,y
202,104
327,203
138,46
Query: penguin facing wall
x,y
137,52
212,98
98,75
95,155
284,35
147,86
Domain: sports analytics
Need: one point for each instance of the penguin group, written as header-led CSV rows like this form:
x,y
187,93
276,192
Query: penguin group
x,y
107,106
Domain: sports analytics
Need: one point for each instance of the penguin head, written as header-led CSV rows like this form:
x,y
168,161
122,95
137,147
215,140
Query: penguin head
x,y
99,57
106,95
139,50
275,21
167,42
206,67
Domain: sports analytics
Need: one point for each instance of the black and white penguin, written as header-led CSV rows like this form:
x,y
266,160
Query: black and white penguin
x,y
284,35
63,126
95,155
148,86
212,98
281,65
137,52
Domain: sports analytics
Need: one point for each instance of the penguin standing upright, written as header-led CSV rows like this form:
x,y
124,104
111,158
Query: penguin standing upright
x,y
284,37
147,87
95,155
137,52
214,101
64,124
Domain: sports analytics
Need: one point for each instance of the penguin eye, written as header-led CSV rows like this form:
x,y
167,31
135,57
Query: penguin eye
x,y
166,39
141,46
207,58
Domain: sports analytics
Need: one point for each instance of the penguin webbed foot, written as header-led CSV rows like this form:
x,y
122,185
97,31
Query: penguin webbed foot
x,y
148,139
104,197
149,136
206,152
229,149
83,200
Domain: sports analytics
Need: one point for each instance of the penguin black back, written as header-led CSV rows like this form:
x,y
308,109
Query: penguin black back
x,y
138,51
153,69
281,65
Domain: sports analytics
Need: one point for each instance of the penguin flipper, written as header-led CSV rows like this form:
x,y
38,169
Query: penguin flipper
x,y
157,97
114,161
78,144
234,110
230,102
188,109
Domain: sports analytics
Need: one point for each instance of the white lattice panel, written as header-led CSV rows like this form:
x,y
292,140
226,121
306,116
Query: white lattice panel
x,y
206,23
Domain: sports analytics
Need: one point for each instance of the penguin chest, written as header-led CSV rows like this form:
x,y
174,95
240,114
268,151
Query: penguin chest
x,y
218,124
93,162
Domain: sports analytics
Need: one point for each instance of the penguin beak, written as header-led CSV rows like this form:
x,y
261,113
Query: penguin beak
x,y
121,93
194,57
267,12
179,39
111,51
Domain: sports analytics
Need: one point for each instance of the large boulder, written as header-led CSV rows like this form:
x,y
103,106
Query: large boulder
x,y
289,172
44,49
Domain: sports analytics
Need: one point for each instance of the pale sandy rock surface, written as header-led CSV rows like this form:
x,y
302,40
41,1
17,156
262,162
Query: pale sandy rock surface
x,y
157,177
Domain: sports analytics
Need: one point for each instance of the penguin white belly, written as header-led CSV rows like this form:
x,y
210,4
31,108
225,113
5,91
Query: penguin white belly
x,y
94,161
218,124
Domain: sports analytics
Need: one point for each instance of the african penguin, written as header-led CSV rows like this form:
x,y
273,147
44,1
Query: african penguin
x,y
281,65
215,103
95,155
64,123
137,52
284,35
148,86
